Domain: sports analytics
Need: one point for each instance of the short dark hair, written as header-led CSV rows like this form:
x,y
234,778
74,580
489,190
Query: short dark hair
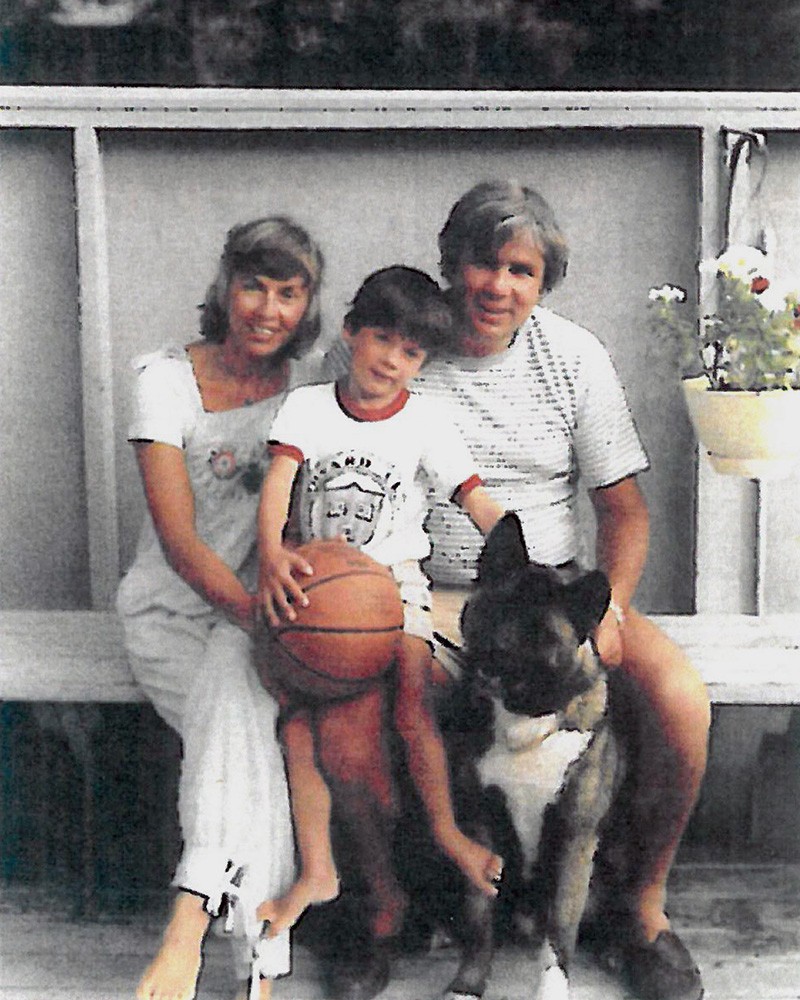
x,y
408,301
488,216
275,247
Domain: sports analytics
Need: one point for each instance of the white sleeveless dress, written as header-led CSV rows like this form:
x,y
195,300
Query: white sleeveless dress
x,y
195,666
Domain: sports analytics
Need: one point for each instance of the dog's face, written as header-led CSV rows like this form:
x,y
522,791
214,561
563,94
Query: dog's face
x,y
524,629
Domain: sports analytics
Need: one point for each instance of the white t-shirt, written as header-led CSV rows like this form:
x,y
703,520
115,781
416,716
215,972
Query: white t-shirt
x,y
536,418
226,457
361,472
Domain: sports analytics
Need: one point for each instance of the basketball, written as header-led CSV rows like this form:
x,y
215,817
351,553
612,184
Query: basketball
x,y
347,636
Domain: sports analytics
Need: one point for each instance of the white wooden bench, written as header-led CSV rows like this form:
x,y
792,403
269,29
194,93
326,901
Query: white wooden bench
x,y
78,656
76,659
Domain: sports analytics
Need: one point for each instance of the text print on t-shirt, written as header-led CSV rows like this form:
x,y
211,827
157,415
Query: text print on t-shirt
x,y
352,495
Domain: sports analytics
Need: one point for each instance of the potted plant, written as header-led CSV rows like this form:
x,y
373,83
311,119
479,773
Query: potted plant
x,y
741,364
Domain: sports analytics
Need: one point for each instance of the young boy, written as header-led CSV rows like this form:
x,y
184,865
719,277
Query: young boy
x,y
361,444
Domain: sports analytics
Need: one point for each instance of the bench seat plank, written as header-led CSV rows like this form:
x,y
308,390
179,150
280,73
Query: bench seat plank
x,y
64,656
744,659
79,655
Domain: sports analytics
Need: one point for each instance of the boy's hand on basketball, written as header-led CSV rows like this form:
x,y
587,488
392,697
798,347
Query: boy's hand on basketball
x,y
278,588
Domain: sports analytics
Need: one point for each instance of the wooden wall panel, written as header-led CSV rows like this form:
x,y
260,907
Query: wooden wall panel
x,y
626,198
43,526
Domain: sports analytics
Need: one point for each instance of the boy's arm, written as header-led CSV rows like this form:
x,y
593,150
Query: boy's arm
x,y
277,587
482,509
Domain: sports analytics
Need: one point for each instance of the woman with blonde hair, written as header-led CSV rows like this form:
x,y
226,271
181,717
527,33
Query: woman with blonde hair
x,y
200,424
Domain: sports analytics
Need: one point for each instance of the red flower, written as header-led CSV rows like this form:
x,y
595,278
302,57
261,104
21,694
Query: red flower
x,y
223,464
759,285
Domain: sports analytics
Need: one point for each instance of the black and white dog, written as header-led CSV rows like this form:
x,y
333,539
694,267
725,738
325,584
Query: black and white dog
x,y
534,762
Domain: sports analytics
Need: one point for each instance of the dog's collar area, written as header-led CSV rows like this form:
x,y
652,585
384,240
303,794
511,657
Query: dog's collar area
x,y
523,732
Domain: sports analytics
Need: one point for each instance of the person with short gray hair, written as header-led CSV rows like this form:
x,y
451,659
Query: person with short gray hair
x,y
538,402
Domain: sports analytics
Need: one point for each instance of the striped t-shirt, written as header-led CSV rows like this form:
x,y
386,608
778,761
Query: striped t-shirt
x,y
536,417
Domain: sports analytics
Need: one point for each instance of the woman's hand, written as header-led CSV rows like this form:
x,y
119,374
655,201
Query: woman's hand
x,y
608,639
278,589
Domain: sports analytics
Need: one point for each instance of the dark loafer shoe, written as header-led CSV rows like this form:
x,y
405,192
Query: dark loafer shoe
x,y
662,969
365,979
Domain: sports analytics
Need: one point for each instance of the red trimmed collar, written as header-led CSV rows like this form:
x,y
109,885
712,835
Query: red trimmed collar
x,y
361,413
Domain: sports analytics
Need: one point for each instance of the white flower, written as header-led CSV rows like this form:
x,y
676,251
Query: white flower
x,y
667,293
774,297
740,261
708,354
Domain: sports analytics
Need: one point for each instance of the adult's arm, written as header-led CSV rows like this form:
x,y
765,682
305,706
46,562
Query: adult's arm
x,y
622,540
170,499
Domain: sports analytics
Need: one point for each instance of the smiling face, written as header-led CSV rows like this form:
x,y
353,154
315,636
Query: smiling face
x,y
263,314
498,295
382,364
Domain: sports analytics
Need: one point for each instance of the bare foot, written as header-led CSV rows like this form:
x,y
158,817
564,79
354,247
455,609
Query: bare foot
x,y
478,863
172,975
284,912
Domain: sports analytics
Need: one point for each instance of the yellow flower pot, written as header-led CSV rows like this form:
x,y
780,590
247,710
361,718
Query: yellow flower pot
x,y
750,434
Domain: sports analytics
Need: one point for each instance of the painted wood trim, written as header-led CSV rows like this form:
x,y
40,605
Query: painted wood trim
x,y
98,403
726,508
705,579
189,108
64,656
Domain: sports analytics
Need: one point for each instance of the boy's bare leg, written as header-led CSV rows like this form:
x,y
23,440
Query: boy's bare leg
x,y
172,975
354,754
311,808
416,722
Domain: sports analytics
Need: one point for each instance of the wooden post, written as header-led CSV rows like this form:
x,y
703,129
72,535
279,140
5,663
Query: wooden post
x,y
98,405
726,507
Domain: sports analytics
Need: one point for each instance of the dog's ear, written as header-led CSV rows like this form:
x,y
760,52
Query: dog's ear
x,y
587,600
504,552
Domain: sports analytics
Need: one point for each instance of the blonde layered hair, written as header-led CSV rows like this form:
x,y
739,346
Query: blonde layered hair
x,y
274,247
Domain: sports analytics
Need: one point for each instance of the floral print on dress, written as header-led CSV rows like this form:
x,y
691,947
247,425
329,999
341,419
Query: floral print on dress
x,y
223,463
245,467
225,451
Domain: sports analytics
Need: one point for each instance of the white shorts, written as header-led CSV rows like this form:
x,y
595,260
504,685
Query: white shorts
x,y
415,593
446,604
